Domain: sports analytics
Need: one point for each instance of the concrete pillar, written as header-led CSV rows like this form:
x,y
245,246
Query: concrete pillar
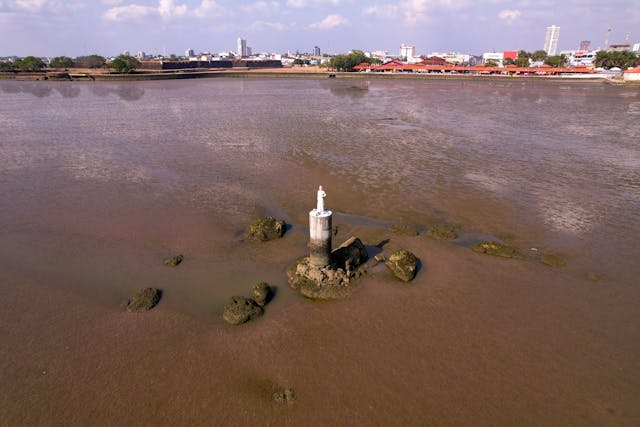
x,y
320,233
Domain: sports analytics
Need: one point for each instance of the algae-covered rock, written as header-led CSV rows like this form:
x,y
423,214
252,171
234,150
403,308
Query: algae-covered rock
x,y
404,229
594,277
144,300
174,260
552,260
262,293
497,249
285,397
239,310
321,283
443,232
350,254
403,264
266,229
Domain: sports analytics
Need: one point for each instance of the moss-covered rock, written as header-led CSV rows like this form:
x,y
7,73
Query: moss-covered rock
x,y
443,232
403,264
349,255
321,283
262,293
552,260
239,310
144,300
404,229
497,249
174,260
266,229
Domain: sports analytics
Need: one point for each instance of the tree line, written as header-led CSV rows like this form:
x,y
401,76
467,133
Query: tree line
x,y
121,64
346,62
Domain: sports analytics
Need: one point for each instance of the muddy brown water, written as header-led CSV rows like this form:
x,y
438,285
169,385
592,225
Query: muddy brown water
x,y
100,182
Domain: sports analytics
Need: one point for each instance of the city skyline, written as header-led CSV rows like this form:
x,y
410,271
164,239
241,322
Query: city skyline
x,y
109,27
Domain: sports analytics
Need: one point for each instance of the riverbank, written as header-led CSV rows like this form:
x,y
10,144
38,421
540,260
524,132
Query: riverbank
x,y
301,72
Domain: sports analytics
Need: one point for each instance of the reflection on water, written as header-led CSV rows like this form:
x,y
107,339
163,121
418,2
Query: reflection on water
x,y
558,166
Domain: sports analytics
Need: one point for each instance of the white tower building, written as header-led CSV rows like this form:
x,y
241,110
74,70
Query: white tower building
x,y
551,40
242,47
407,51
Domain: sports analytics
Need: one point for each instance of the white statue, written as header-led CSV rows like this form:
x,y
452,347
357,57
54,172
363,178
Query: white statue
x,y
321,196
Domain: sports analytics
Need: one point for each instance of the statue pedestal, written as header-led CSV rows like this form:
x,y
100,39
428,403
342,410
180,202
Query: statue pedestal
x,y
320,228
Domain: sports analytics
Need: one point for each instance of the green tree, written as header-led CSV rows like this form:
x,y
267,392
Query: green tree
x,y
348,61
508,61
556,61
490,63
6,66
61,62
91,61
124,64
523,58
622,60
539,55
30,63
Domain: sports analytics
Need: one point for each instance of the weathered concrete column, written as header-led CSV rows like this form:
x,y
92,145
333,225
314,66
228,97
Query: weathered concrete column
x,y
320,233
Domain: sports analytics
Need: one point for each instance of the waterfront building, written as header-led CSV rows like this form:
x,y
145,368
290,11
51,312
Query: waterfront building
x,y
632,75
636,47
189,53
551,40
452,58
580,58
585,45
496,57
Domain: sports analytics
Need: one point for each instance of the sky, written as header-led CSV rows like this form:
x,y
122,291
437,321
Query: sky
x,y
109,27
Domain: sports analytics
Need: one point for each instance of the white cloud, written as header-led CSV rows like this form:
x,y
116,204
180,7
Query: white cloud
x,y
509,15
331,21
298,4
129,12
382,11
263,25
167,9
417,11
208,9
112,2
261,7
29,5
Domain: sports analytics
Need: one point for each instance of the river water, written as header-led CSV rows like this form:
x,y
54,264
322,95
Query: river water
x,y
101,181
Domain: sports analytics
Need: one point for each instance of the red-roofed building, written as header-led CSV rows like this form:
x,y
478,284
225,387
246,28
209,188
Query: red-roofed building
x,y
433,60
511,54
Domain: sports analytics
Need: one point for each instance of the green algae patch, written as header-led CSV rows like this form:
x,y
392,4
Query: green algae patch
x,y
404,229
552,260
497,249
443,232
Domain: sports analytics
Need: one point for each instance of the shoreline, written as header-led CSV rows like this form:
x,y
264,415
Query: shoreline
x,y
297,74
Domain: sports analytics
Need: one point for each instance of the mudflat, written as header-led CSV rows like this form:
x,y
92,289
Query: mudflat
x,y
102,182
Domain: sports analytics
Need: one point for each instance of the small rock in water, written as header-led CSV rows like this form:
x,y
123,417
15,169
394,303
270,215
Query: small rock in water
x,y
174,260
266,229
403,264
262,293
497,249
593,276
144,300
285,397
404,229
552,260
443,232
239,310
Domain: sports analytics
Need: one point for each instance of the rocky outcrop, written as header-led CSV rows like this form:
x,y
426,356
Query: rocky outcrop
x,y
239,310
285,397
349,255
404,229
262,293
174,260
443,232
266,229
144,300
552,260
403,264
497,249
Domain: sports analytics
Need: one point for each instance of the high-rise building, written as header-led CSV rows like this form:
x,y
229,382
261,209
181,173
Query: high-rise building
x,y
585,45
406,51
551,40
189,53
316,51
242,47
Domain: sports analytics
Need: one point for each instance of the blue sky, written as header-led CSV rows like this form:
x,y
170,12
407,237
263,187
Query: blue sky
x,y
109,27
